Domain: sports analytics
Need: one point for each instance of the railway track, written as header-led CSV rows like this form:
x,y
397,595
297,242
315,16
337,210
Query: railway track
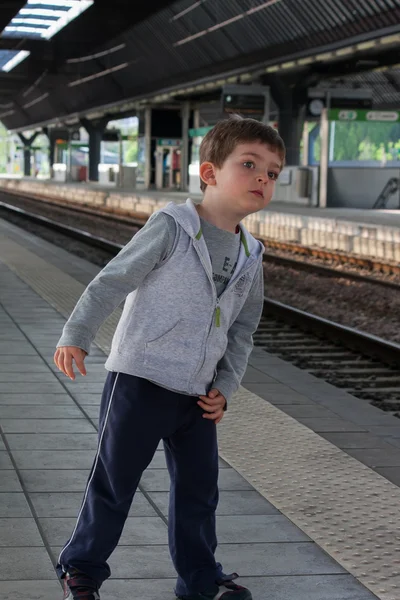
x,y
366,366
380,270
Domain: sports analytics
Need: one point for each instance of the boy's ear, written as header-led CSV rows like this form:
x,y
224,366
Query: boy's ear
x,y
207,173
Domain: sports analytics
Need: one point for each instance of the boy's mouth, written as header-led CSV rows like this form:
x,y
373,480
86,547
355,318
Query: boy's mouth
x,y
257,193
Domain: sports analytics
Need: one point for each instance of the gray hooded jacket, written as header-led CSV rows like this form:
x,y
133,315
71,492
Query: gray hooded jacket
x,y
174,330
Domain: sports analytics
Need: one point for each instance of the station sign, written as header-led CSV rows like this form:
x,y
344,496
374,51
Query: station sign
x,y
378,116
168,142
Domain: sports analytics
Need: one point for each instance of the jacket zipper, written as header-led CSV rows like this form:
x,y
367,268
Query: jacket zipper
x,y
218,314
217,311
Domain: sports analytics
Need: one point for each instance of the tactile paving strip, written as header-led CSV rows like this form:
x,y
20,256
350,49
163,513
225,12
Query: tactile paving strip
x,y
59,289
349,510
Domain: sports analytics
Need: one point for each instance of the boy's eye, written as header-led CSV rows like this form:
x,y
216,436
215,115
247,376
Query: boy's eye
x,y
272,175
249,164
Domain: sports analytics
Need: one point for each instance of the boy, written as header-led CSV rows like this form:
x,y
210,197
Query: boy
x,y
192,279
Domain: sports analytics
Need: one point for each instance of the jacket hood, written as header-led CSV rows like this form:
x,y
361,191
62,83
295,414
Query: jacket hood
x,y
188,217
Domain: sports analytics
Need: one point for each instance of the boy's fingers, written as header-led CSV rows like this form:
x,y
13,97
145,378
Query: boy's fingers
x,y
213,416
68,368
213,401
80,365
60,361
206,407
56,355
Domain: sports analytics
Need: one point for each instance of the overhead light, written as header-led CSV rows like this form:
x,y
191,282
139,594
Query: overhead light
x,y
325,56
225,23
36,100
8,113
97,75
97,55
42,19
345,51
186,10
305,61
35,83
391,39
11,58
366,45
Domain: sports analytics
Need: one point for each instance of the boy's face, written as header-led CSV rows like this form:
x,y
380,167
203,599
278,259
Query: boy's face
x,y
246,180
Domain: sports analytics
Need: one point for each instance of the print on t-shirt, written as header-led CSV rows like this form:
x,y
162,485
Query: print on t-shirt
x,y
219,278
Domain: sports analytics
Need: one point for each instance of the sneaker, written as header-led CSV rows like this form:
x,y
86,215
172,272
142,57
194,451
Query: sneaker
x,y
225,591
78,586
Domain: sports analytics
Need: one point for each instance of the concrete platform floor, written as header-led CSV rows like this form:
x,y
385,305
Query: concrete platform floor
x,y
48,440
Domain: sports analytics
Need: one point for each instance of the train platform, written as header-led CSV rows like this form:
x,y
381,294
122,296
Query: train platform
x,y
368,233
309,480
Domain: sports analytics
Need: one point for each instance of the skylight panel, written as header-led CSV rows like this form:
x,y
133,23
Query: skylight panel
x,y
42,19
11,58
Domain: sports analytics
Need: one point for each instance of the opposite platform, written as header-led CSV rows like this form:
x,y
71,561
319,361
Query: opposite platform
x,y
275,472
372,233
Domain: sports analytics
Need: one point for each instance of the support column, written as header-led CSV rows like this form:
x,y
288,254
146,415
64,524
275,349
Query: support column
x,y
27,151
306,139
95,130
291,102
185,115
324,162
147,147
52,148
196,118
290,129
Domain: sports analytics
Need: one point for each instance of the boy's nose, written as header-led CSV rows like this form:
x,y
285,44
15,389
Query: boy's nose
x,y
262,178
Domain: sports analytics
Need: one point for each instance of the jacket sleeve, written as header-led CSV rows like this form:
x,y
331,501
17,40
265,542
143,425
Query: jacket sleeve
x,y
121,276
233,364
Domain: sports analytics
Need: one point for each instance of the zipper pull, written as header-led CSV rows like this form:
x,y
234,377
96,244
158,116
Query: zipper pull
x,y
217,316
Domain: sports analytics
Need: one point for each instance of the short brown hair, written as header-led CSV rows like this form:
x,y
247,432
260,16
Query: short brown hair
x,y
223,138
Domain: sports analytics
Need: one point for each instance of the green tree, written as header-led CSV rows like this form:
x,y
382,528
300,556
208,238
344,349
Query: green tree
x,y
131,151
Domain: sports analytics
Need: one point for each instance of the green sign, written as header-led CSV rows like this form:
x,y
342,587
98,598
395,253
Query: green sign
x,y
200,131
350,114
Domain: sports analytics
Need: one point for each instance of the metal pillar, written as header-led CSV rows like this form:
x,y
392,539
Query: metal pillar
x,y
95,130
120,178
185,115
196,118
290,129
27,151
68,175
306,141
267,104
95,136
147,147
324,162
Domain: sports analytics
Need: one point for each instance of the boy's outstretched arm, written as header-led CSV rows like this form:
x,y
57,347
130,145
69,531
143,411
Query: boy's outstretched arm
x,y
122,275
233,364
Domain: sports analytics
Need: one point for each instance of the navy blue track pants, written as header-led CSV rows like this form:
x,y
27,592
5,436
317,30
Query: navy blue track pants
x,y
135,415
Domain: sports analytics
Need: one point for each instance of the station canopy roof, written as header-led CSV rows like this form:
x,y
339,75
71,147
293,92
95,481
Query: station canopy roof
x,y
63,59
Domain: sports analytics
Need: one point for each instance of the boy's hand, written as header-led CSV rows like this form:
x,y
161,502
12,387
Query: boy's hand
x,y
213,404
64,356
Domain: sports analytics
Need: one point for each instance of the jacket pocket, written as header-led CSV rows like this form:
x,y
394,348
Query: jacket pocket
x,y
175,349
